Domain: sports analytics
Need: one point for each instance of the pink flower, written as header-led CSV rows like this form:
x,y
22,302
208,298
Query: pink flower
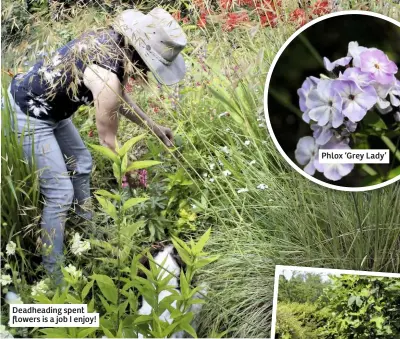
x,y
143,178
124,182
376,62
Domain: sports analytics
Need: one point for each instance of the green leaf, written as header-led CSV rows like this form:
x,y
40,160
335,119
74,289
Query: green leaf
x,y
107,287
116,171
202,241
129,144
108,194
351,300
131,229
185,289
124,164
133,202
86,332
142,164
107,152
143,319
185,255
86,289
107,332
108,207
205,261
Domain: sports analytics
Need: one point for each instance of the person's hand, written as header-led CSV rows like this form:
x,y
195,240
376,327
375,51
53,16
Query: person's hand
x,y
165,134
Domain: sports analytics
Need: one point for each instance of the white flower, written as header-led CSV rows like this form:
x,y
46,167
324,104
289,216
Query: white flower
x,y
4,334
12,298
270,200
225,149
73,271
194,206
205,175
5,279
260,125
242,190
7,267
226,173
212,179
40,288
247,142
220,163
223,114
10,248
251,163
212,166
262,186
78,246
228,130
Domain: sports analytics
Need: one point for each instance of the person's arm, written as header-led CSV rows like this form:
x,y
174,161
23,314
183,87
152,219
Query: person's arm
x,y
107,91
141,118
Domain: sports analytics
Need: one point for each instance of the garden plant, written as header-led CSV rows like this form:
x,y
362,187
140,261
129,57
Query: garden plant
x,y
223,195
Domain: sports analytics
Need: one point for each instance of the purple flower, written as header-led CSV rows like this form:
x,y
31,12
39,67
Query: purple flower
x,y
356,101
325,105
308,85
354,51
335,171
382,91
306,153
376,62
322,134
330,66
361,78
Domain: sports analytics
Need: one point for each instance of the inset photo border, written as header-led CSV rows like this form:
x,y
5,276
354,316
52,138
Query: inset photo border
x,y
321,97
312,301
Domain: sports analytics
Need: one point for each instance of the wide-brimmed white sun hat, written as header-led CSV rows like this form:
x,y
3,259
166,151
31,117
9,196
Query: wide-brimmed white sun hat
x,y
158,39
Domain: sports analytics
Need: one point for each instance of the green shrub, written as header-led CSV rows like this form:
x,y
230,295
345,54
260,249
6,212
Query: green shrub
x,y
297,321
362,307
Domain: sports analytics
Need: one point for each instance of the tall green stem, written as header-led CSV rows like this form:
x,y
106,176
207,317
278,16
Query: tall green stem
x,y
393,148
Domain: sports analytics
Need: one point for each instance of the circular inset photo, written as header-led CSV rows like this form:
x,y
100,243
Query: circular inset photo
x,y
332,101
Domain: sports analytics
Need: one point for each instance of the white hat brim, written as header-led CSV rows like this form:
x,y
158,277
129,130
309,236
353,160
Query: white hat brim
x,y
165,74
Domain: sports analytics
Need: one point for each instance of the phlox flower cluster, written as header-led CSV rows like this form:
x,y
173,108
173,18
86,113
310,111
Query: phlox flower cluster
x,y
335,106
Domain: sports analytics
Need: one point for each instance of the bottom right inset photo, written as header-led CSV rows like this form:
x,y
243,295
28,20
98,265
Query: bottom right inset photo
x,y
335,304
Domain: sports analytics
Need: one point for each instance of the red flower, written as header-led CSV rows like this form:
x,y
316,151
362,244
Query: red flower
x,y
234,19
269,19
202,20
225,4
177,15
321,7
299,17
90,134
185,20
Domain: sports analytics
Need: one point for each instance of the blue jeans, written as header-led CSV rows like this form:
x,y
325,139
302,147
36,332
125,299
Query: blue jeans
x,y
58,150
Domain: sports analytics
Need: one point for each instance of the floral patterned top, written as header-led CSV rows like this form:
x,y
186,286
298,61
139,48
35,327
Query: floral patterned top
x,y
53,88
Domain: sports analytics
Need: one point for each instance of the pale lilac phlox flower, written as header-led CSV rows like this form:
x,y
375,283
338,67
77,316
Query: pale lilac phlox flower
x,y
308,85
330,66
306,154
356,101
354,51
355,74
376,62
325,104
322,134
335,171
